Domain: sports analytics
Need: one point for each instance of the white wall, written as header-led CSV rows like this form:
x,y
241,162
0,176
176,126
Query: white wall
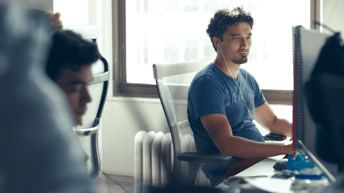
x,y
333,15
122,119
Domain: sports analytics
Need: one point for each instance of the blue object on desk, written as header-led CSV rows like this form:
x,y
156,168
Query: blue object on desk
x,y
309,177
299,163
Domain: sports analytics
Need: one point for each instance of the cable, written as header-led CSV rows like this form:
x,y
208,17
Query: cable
x,y
241,91
325,26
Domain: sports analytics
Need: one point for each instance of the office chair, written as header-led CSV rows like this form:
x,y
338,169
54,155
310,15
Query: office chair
x,y
88,132
173,82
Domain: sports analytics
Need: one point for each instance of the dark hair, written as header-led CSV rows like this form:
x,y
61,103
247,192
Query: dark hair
x,y
70,50
224,18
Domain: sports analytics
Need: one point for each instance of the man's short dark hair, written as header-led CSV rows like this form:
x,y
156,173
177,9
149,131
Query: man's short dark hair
x,y
224,18
70,50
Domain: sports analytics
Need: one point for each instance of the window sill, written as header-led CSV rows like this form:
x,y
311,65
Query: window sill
x,y
133,99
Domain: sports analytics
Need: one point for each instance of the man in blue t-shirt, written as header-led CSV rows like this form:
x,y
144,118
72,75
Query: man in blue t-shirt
x,y
224,100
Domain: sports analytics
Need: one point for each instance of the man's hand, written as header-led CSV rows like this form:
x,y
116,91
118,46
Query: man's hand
x,y
267,118
289,149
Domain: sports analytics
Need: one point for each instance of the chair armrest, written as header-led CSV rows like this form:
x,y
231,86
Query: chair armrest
x,y
88,131
205,158
275,137
100,78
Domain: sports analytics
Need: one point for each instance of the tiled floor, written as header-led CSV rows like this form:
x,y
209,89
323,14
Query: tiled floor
x,y
106,183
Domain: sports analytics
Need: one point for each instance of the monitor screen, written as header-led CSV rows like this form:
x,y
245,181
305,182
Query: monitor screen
x,y
307,45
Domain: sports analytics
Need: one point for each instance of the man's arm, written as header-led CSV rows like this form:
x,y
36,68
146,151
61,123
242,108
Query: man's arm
x,y
220,132
267,118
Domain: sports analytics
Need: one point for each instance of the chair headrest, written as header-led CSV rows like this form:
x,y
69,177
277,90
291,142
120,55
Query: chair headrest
x,y
86,31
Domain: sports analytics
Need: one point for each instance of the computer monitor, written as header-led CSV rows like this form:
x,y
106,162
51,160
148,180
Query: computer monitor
x,y
307,44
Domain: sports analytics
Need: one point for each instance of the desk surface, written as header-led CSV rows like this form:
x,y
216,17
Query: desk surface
x,y
264,167
268,184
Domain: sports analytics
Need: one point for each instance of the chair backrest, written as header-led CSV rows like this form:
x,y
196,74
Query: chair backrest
x,y
173,82
98,91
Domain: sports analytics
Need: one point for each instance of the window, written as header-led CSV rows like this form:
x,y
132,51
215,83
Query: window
x,y
68,12
168,31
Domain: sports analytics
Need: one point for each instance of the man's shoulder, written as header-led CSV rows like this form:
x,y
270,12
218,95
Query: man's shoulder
x,y
206,80
209,73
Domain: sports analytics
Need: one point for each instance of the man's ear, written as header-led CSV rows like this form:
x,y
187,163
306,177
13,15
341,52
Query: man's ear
x,y
216,42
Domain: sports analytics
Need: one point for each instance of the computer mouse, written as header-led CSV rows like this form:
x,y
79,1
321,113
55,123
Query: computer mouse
x,y
275,137
281,165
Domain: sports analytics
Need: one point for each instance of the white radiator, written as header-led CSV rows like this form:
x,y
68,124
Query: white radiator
x,y
153,159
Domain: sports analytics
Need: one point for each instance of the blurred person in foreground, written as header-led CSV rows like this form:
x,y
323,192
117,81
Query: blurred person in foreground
x,y
39,151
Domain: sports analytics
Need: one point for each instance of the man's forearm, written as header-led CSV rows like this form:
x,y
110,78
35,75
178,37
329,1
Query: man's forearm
x,y
246,149
282,127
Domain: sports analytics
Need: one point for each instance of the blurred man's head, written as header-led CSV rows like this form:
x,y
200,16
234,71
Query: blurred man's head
x,y
54,18
69,65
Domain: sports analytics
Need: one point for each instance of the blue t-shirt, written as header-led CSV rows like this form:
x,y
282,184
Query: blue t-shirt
x,y
213,92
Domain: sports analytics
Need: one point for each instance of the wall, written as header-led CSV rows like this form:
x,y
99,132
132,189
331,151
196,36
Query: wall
x,y
122,119
333,15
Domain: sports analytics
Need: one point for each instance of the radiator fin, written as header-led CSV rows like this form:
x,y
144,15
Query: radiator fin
x,y
154,159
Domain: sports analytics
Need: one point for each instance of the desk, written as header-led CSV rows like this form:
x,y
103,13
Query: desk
x,y
264,167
